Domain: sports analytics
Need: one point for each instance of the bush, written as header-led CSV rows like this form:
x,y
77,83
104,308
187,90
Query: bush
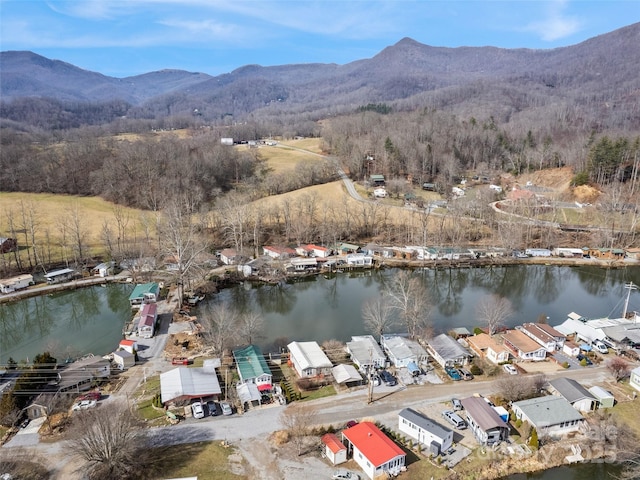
x,y
518,423
477,331
580,178
533,440
475,369
583,362
565,365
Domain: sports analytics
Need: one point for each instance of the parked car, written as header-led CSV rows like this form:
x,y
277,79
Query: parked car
x,y
94,395
466,374
226,408
198,411
510,369
389,380
351,423
180,361
375,379
600,347
456,404
582,357
345,475
212,408
25,423
454,419
453,373
84,405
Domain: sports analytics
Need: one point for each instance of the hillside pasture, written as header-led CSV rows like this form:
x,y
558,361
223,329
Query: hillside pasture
x,y
52,215
281,159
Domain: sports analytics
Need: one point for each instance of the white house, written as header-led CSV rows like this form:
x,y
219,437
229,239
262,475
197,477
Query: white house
x,y
402,350
366,353
229,256
447,351
579,397
183,384
551,415
487,347
346,375
380,193
308,359
485,423
373,451
359,260
421,428
523,347
537,252
571,348
634,379
278,252
147,322
568,252
545,335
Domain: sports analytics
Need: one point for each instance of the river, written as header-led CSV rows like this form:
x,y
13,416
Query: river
x,y
329,307
67,324
90,320
584,471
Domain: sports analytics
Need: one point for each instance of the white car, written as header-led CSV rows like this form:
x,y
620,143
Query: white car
x,y
198,411
345,475
510,369
226,408
84,405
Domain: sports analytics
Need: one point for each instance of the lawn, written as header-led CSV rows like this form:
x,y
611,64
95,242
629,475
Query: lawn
x,y
627,412
205,460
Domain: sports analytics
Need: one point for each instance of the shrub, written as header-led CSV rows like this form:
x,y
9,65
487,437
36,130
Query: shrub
x,y
533,440
583,362
565,365
518,423
580,178
477,331
475,369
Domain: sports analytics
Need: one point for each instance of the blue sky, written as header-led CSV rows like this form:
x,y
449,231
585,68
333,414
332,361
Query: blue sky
x,y
129,37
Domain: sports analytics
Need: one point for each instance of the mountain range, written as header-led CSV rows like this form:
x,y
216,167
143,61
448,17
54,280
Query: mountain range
x,y
599,71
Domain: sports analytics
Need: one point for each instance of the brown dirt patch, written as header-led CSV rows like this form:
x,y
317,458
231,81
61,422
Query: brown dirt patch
x,y
586,194
185,344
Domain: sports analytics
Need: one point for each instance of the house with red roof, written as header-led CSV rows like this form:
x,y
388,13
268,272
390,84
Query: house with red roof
x,y
334,449
128,345
373,451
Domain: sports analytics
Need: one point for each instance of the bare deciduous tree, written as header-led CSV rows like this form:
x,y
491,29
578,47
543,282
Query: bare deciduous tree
x,y
411,301
110,440
493,310
221,322
519,387
297,420
251,325
618,367
377,315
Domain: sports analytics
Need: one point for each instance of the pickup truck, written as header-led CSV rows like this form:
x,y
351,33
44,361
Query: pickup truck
x,y
180,361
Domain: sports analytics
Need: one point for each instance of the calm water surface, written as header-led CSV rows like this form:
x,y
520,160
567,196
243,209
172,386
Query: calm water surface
x,y
589,471
325,307
90,320
67,324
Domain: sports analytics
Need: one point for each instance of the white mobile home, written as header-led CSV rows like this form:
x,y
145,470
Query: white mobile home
x,y
59,276
12,284
429,433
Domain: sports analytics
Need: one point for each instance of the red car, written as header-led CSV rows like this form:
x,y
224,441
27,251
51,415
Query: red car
x,y
95,395
180,361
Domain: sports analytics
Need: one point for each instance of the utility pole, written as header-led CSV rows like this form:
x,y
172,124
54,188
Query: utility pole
x,y
629,286
370,390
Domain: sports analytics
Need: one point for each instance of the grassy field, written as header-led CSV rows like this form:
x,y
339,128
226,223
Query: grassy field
x,y
52,211
206,460
281,159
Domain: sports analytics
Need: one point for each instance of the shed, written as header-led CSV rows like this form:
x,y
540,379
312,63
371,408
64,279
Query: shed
x,y
346,374
334,449
604,397
124,359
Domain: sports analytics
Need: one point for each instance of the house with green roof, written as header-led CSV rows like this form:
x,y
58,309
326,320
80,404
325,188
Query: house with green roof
x,y
252,367
144,293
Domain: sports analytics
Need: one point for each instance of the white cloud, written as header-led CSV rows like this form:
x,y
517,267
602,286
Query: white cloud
x,y
556,25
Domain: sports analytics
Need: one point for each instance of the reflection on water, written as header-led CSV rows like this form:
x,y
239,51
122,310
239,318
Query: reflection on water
x,y
586,471
67,324
325,307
